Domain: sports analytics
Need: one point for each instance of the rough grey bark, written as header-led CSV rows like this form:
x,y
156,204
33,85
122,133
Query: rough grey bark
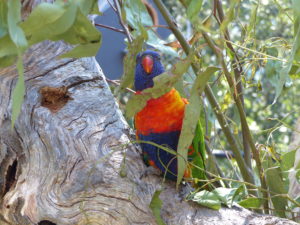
x,y
68,158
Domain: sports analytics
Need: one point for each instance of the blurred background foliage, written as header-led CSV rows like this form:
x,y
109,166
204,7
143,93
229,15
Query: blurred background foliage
x,y
271,32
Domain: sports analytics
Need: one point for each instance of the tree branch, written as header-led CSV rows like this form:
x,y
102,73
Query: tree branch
x,y
111,28
119,13
242,114
237,72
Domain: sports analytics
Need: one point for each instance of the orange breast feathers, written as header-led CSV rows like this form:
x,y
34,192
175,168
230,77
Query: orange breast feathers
x,y
161,115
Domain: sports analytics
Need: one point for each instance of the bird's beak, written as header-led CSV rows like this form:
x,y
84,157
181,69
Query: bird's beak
x,y
147,63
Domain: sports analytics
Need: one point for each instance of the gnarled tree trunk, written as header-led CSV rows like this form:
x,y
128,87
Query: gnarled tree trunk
x,y
68,159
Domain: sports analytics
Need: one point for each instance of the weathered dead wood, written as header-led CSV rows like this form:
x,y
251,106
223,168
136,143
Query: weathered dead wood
x,y
63,161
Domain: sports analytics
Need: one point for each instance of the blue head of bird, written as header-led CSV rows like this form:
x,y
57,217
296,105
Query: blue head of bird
x,y
148,66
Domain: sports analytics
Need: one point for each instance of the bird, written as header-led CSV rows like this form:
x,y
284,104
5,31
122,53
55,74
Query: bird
x,y
160,122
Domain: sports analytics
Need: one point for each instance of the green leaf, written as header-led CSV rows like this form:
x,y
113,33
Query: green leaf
x,y
3,19
135,104
155,206
296,9
95,10
193,9
13,18
7,47
287,160
226,195
42,16
198,156
156,42
191,113
284,72
207,199
18,92
239,193
251,202
130,59
137,14
87,6
252,20
81,32
276,186
84,50
7,60
49,31
229,16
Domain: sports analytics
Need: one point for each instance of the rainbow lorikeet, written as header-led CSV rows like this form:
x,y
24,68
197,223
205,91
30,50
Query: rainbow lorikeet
x,y
160,122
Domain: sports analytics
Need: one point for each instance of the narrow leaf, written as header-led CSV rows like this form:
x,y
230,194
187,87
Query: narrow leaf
x,y
155,206
193,9
251,202
229,14
3,18
191,114
287,160
226,195
207,199
13,18
85,50
135,104
276,187
284,72
130,59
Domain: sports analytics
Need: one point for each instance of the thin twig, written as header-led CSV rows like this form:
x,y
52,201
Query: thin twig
x,y
111,28
118,84
125,27
215,164
159,26
111,5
